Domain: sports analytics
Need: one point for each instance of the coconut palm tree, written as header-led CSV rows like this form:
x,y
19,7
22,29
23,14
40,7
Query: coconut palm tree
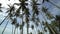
x,y
23,12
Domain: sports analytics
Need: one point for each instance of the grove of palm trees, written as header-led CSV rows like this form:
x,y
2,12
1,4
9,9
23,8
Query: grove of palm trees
x,y
30,17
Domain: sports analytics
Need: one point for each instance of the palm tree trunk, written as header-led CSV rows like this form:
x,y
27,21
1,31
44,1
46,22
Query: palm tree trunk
x,y
27,28
4,19
59,26
14,30
22,24
5,27
17,30
50,28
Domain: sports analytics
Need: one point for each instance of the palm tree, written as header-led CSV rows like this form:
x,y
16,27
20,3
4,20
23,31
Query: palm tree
x,y
49,17
35,13
24,11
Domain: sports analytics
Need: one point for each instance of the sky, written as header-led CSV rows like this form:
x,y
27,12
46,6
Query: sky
x,y
54,10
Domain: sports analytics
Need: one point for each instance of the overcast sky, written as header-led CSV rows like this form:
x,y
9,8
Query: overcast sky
x,y
52,8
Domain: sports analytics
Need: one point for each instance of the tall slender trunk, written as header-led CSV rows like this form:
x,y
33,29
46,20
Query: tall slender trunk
x,y
36,28
17,30
4,19
22,24
5,27
27,28
14,30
